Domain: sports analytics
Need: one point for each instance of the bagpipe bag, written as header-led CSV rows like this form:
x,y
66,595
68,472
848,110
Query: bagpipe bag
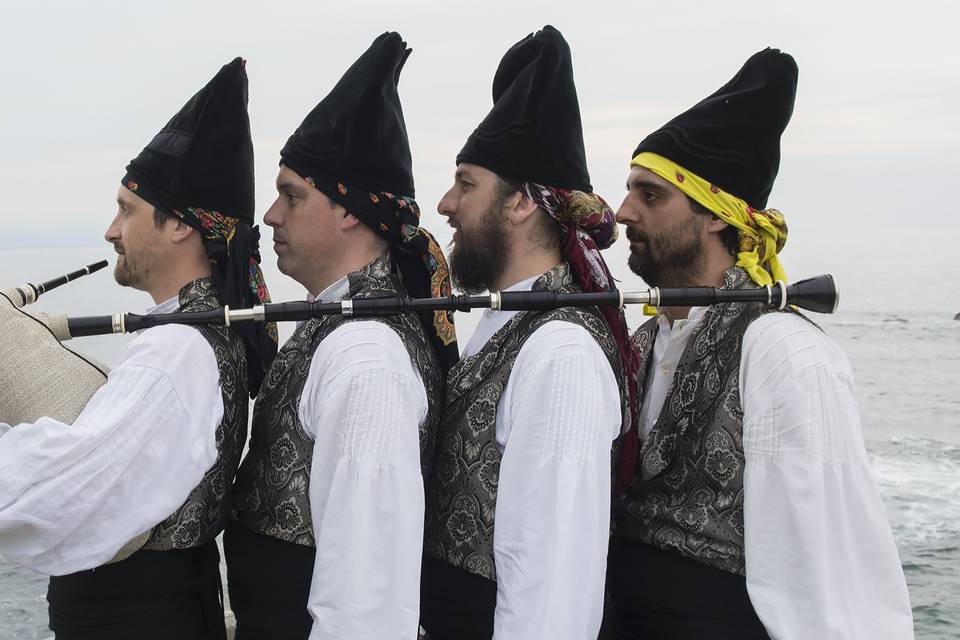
x,y
39,376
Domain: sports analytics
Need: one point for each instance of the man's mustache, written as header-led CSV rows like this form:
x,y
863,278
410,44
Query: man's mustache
x,y
635,236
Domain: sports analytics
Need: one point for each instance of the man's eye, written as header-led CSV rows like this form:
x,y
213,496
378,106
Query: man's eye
x,y
291,198
649,196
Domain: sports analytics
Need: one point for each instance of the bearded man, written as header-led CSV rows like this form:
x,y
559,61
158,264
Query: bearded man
x,y
518,501
152,456
326,534
745,506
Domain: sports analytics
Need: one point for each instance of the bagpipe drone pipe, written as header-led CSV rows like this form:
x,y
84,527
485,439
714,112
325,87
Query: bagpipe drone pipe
x,y
818,294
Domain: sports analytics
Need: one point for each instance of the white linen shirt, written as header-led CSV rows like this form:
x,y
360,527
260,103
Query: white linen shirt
x,y
820,557
72,495
556,421
363,403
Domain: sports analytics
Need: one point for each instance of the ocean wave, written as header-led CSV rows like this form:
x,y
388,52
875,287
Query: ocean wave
x,y
920,483
940,323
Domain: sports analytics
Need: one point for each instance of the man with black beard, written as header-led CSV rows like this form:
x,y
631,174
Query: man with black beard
x,y
122,507
744,506
518,500
671,256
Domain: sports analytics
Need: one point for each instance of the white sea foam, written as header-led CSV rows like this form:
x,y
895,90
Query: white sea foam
x,y
920,483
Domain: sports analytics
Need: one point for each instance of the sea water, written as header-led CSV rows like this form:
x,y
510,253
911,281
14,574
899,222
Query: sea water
x,y
895,324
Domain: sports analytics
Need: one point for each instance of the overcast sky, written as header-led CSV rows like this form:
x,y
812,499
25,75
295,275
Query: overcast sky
x,y
873,143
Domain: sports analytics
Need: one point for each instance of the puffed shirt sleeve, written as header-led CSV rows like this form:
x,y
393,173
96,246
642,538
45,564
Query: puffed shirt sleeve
x,y
363,403
72,495
820,556
557,419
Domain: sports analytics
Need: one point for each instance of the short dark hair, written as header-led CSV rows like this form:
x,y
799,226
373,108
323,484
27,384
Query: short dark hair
x,y
729,236
503,189
160,218
547,232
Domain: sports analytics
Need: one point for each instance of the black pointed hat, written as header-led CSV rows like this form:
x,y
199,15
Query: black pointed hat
x,y
355,149
533,133
357,135
203,157
732,138
201,163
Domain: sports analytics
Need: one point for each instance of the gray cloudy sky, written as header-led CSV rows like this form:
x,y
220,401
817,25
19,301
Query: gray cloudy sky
x,y
874,138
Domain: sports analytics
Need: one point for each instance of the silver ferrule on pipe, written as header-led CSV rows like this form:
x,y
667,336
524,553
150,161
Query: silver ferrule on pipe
x,y
256,314
639,297
783,294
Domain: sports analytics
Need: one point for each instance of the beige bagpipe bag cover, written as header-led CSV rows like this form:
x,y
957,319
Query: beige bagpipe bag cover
x,y
39,376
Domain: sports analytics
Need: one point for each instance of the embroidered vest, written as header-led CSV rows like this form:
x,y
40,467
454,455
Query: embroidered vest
x,y
204,514
272,496
688,494
462,493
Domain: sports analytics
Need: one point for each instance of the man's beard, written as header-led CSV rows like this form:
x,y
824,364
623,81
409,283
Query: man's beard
x,y
133,270
671,257
479,259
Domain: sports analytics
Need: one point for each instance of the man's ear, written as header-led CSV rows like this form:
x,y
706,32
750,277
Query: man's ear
x,y
350,221
347,219
520,208
716,225
180,231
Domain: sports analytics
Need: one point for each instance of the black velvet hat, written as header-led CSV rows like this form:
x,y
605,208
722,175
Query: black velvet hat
x,y
533,133
357,135
203,157
732,138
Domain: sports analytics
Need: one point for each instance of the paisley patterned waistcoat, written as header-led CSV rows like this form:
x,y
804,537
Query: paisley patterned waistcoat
x,y
688,493
272,489
204,515
462,494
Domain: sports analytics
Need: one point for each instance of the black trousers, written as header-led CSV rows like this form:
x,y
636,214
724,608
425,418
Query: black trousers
x,y
455,604
661,595
269,584
152,595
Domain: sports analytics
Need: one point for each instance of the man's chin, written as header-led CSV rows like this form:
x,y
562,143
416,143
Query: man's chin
x,y
289,268
121,275
468,285
643,268
124,280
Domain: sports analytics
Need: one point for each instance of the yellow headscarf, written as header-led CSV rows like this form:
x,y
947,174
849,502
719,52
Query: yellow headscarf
x,y
762,232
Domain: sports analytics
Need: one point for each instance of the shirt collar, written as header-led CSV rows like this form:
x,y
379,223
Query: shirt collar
x,y
693,317
333,293
523,285
167,306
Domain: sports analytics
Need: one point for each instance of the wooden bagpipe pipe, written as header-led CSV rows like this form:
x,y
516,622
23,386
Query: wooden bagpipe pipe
x,y
28,293
39,376
818,294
